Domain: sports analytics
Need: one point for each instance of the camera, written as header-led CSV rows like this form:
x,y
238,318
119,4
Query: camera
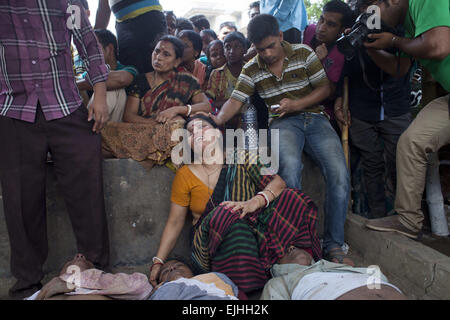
x,y
348,44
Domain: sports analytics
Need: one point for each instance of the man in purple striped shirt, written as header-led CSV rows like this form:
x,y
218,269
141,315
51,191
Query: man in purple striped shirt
x,y
41,111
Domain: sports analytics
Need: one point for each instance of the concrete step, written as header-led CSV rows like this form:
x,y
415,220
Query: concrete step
x,y
418,270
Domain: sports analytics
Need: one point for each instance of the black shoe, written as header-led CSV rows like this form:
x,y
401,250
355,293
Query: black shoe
x,y
19,291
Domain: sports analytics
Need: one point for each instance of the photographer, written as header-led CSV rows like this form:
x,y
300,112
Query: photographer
x,y
427,26
380,111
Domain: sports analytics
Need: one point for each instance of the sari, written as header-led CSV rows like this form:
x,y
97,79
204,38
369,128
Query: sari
x,y
199,72
245,249
150,141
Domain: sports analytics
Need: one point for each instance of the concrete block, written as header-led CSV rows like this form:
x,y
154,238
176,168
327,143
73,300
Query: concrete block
x,y
418,270
137,204
440,288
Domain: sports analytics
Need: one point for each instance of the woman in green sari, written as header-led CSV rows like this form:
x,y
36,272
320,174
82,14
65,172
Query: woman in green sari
x,y
244,221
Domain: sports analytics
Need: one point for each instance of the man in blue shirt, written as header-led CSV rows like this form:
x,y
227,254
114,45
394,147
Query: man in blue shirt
x,y
291,17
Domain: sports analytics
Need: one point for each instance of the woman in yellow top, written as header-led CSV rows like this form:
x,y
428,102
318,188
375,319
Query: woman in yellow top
x,y
244,219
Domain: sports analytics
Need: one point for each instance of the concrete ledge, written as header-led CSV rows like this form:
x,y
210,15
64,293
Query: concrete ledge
x,y
419,271
137,203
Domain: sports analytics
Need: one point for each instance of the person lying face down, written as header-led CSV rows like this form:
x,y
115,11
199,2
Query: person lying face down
x,y
177,282
79,280
297,277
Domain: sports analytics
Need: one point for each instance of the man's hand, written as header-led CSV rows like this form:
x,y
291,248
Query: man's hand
x,y
322,51
98,109
55,287
382,41
286,106
213,117
339,113
251,53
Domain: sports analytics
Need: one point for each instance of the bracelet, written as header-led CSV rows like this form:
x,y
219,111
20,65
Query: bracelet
x,y
274,196
157,259
265,198
155,263
189,110
265,202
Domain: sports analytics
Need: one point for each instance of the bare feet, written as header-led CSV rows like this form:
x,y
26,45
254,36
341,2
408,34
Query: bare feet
x,y
336,255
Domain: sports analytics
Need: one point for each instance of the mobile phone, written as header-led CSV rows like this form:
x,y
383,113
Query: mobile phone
x,y
274,107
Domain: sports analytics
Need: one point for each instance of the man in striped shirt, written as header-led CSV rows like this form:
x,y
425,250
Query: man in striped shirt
x,y
292,78
41,111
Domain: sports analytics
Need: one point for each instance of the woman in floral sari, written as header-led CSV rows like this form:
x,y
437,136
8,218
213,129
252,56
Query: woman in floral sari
x,y
156,103
244,218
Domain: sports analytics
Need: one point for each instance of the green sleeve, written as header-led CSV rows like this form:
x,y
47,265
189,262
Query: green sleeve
x,y
426,15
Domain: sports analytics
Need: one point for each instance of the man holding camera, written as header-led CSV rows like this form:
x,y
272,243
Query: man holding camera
x,y
380,109
427,26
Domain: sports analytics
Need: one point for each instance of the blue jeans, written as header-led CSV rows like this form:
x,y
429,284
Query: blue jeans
x,y
314,134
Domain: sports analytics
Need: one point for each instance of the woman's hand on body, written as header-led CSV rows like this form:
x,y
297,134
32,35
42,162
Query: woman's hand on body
x,y
169,114
154,274
245,207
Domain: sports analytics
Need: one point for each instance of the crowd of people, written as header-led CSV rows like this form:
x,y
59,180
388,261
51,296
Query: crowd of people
x,y
252,229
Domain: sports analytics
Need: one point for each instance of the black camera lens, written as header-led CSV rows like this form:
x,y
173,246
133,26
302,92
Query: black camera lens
x,y
348,44
345,47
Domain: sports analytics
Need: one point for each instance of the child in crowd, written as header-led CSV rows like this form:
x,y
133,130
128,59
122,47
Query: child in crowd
x,y
223,79
215,57
207,36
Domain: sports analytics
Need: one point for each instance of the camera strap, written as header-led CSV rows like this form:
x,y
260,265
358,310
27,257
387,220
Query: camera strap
x,y
366,80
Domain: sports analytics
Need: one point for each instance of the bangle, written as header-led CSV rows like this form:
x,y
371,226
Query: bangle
x,y
158,260
155,263
189,110
265,198
265,202
274,196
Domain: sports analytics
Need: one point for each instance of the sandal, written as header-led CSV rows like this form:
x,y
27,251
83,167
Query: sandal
x,y
339,255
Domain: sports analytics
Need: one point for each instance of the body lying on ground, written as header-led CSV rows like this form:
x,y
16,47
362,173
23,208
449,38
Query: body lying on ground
x,y
79,280
177,282
297,277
